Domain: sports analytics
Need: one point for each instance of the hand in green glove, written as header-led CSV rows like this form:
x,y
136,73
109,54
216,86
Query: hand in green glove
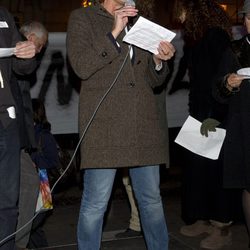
x,y
208,124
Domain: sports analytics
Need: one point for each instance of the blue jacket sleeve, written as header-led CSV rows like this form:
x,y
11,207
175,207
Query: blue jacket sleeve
x,y
47,155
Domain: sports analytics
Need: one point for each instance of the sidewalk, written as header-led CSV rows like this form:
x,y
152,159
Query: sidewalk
x,y
60,228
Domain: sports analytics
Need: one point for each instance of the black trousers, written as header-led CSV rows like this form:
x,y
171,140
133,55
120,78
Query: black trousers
x,y
203,195
9,182
37,234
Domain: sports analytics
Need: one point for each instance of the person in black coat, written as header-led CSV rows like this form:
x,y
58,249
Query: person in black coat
x,y
46,157
234,90
205,204
20,62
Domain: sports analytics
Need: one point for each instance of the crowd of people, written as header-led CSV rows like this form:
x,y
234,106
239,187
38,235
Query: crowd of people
x,y
122,106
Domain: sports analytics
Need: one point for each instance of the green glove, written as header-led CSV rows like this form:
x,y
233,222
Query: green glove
x,y
208,124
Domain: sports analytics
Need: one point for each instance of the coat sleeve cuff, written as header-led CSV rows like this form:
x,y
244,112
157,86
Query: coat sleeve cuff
x,y
113,40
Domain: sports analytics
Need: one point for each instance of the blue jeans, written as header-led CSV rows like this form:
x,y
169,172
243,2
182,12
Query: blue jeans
x,y
98,185
9,182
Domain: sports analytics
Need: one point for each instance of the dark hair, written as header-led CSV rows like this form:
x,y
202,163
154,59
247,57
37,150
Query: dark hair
x,y
146,8
39,114
201,15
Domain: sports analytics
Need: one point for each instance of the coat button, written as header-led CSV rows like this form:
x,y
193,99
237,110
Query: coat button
x,y
131,84
104,54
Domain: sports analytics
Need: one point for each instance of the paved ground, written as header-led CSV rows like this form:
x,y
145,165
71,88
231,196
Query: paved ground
x,y
60,228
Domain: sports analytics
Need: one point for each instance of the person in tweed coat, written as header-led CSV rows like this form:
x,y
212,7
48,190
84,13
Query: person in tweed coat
x,y
127,130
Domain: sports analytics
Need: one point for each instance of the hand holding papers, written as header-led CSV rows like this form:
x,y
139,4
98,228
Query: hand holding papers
x,y
190,138
147,35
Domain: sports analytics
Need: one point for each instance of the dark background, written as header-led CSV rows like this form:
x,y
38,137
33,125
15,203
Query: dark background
x,y
54,13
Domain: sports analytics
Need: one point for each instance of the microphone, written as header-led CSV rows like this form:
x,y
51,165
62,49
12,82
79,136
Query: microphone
x,y
132,4
129,3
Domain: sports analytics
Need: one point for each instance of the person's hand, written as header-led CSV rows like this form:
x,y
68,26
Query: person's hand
x,y
234,81
121,19
25,50
207,125
166,51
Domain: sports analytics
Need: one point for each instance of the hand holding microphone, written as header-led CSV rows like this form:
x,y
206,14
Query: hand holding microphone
x,y
121,17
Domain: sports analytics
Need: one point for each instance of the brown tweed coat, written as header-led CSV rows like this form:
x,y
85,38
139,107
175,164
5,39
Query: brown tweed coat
x,y
127,129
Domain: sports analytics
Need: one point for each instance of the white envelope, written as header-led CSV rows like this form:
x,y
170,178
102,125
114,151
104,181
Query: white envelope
x,y
190,138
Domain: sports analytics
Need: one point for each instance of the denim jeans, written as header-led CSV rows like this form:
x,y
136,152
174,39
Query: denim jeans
x,y
98,185
9,182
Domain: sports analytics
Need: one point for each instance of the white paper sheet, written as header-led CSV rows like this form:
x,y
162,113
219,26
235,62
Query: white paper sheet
x,y
147,35
6,52
190,138
244,72
12,112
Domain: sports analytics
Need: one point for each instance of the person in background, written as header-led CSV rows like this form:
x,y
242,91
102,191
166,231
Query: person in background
x,y
127,124
37,33
45,157
233,89
206,206
20,62
29,180
134,228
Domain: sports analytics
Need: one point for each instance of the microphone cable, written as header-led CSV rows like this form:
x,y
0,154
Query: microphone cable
x,y
78,145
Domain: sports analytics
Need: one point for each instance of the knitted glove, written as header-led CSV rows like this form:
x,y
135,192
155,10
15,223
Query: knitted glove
x,y
208,124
